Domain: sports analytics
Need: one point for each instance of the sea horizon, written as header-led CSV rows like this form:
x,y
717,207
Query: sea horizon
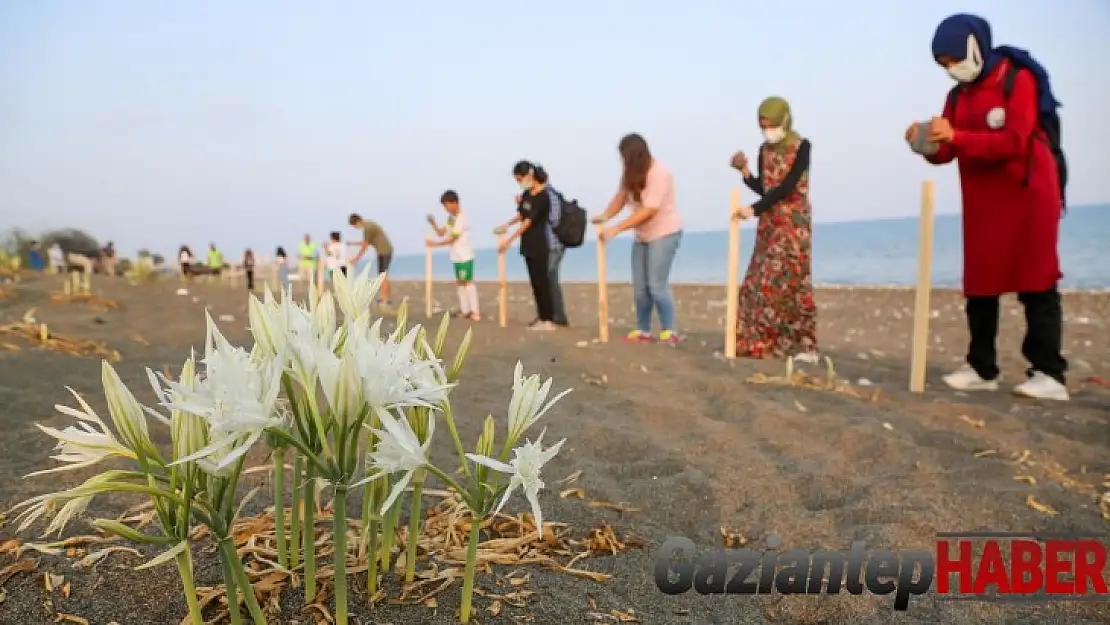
x,y
878,253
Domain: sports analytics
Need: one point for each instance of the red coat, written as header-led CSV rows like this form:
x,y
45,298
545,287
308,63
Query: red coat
x,y
1010,226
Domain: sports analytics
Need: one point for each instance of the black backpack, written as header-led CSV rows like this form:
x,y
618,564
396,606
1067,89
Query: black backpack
x,y
1049,122
570,225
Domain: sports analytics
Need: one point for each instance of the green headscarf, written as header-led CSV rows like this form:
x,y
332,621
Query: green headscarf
x,y
777,111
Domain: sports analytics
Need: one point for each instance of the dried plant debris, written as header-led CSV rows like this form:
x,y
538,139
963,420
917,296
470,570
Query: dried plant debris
x,y
45,339
507,541
830,383
95,301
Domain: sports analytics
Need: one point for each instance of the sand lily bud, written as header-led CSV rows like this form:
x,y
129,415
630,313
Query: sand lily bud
x,y
73,502
399,450
402,316
355,294
525,471
127,415
441,336
527,404
342,385
486,440
188,432
261,318
460,356
323,315
84,444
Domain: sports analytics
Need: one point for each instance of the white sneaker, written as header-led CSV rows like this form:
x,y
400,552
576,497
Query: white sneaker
x,y
966,379
543,326
1041,386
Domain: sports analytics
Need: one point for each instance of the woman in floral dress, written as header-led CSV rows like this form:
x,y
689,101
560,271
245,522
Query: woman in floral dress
x,y
777,315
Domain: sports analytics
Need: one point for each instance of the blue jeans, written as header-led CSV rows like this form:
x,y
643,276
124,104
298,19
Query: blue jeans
x,y
651,273
554,259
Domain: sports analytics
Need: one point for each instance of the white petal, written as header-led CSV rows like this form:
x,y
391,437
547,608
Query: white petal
x,y
496,465
398,488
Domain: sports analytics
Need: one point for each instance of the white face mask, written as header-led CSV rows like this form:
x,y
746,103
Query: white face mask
x,y
968,69
774,135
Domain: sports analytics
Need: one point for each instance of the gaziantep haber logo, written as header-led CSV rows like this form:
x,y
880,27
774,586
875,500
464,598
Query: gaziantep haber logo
x,y
964,566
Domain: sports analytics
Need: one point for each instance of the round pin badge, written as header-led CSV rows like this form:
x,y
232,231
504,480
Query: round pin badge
x,y
996,118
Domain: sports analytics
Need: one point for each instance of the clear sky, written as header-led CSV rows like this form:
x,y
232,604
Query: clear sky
x,y
248,123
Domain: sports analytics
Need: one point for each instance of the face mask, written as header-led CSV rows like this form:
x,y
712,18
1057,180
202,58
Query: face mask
x,y
968,69
526,184
774,135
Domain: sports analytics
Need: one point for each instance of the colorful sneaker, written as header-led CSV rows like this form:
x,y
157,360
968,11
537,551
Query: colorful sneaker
x,y
1041,386
668,337
966,379
637,336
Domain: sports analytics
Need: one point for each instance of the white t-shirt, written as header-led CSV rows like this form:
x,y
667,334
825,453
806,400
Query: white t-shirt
x,y
459,226
184,257
336,255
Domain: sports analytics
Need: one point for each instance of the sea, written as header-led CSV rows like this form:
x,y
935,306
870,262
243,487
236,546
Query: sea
x,y
878,252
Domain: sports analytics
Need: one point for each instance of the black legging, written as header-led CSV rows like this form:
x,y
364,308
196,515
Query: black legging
x,y
541,286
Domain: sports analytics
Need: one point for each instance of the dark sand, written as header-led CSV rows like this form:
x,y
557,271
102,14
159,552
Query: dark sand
x,y
675,432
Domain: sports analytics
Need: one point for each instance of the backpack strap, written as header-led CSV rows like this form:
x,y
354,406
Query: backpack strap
x,y
1008,82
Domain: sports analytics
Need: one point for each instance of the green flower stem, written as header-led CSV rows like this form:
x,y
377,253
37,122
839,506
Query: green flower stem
x,y
308,533
370,529
244,584
295,521
471,566
446,478
389,531
449,417
279,506
185,568
414,527
339,523
231,589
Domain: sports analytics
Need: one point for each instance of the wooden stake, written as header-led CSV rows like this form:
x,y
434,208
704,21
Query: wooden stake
x,y
503,285
602,290
732,303
922,311
428,281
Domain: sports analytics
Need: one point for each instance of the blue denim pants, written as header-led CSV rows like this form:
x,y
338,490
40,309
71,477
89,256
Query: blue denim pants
x,y
651,274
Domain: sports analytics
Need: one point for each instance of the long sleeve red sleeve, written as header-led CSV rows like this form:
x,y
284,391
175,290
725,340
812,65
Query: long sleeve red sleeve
x,y
944,153
1013,138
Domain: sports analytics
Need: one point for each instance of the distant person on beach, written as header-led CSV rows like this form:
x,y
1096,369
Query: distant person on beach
x,y
777,314
108,259
185,260
1000,124
215,259
555,249
374,236
534,206
57,258
456,234
335,255
248,268
306,261
36,258
283,268
647,185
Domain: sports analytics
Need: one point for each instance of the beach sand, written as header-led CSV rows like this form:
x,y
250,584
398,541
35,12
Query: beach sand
x,y
675,432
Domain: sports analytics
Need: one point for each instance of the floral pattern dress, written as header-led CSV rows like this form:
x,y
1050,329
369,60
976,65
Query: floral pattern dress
x,y
777,315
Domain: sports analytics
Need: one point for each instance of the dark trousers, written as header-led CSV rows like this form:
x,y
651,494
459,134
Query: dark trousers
x,y
1044,319
540,278
250,279
558,309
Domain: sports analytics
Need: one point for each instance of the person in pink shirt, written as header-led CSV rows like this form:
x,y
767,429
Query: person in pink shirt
x,y
648,187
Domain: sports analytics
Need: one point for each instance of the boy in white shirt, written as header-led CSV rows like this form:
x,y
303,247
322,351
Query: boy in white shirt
x,y
456,234
335,255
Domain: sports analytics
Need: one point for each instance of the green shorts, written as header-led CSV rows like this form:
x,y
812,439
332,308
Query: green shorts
x,y
464,272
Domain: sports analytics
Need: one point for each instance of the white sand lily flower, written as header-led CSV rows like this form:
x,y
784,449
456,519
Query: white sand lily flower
x,y
355,293
527,404
84,444
188,432
341,383
237,397
127,414
73,503
391,372
524,468
398,450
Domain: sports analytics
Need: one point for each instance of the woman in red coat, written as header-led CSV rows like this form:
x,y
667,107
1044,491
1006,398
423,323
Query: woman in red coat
x,y
1012,200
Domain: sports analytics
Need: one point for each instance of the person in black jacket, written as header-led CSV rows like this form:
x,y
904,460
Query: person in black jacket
x,y
534,232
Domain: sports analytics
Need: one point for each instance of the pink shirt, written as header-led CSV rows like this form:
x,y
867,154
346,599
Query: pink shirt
x,y
659,194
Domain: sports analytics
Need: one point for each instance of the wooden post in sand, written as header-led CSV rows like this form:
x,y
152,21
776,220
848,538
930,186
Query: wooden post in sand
x,y
921,309
428,281
602,290
503,285
732,303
